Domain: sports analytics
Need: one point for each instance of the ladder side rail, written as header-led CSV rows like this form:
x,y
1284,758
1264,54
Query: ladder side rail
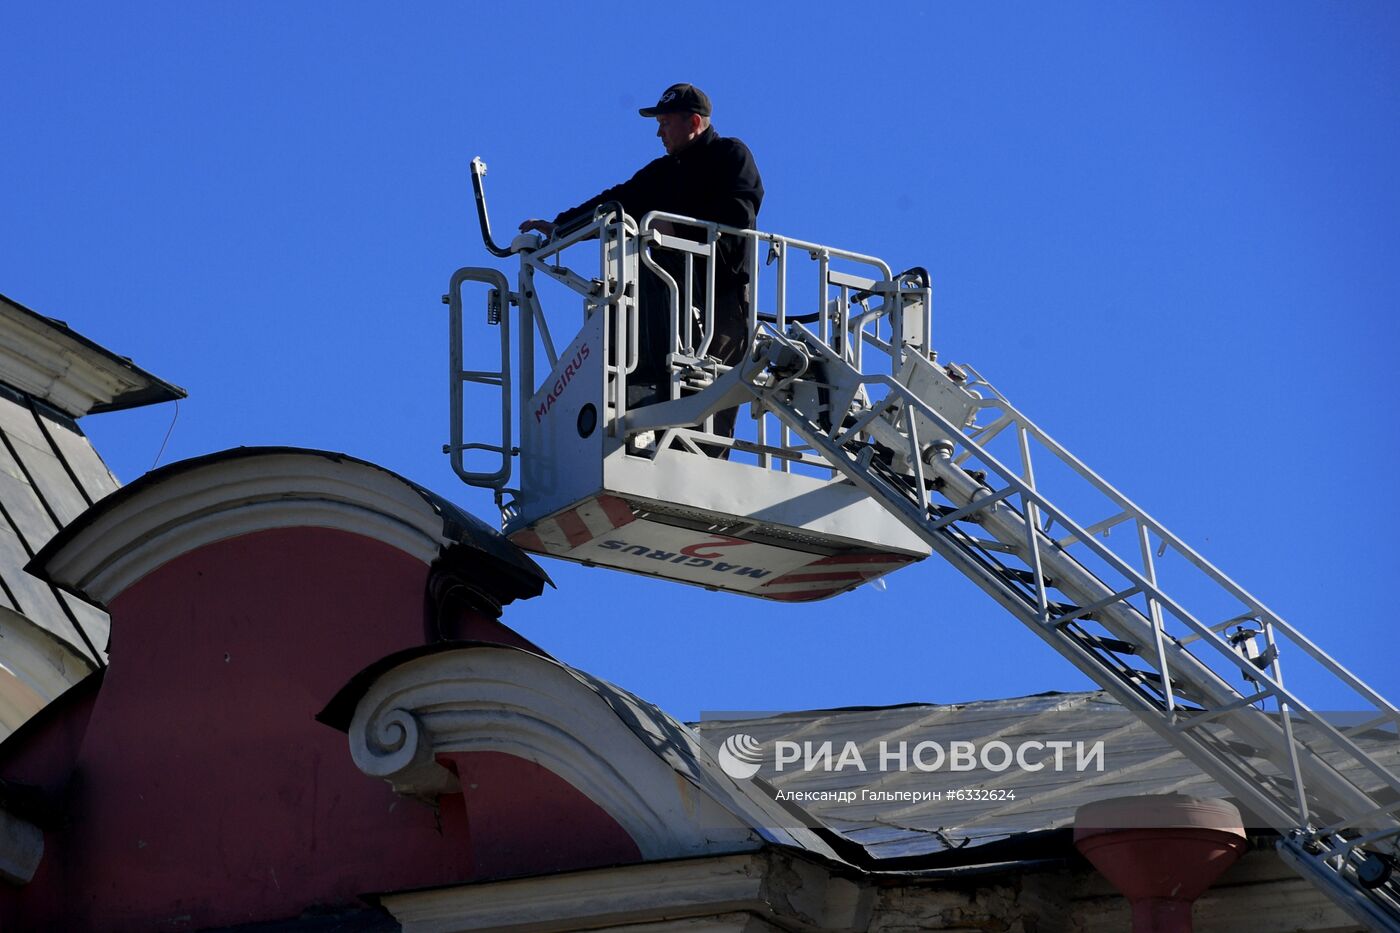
x,y
1019,487
1205,678
1158,597
501,378
1362,907
1270,621
1186,551
1126,621
1129,696
1377,906
1389,710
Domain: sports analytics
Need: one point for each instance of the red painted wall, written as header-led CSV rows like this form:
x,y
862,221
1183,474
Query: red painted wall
x,y
523,819
205,792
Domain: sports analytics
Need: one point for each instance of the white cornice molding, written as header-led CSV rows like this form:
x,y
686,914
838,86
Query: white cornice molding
x,y
223,499
750,892
511,701
39,359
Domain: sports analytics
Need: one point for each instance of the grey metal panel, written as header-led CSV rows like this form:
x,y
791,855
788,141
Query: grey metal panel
x,y
28,525
75,449
1137,762
40,461
96,624
28,518
36,598
55,487
17,421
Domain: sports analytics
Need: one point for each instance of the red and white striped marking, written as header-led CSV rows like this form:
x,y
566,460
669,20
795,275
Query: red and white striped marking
x,y
575,527
703,558
831,575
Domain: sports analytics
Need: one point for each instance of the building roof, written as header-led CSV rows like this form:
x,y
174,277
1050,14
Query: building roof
x,y
1136,761
49,475
47,360
50,375
232,492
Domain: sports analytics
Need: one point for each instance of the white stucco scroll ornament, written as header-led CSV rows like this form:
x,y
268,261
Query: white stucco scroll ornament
x,y
508,701
389,742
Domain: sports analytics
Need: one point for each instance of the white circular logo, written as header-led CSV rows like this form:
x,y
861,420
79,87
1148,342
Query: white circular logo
x,y
741,756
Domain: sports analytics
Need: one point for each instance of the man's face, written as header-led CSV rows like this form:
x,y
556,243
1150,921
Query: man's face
x,y
677,130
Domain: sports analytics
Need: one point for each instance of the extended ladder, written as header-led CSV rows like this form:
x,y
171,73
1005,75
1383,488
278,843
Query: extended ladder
x,y
1163,631
1030,533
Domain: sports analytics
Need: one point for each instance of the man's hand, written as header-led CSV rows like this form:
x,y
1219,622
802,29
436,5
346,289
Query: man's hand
x,y
541,226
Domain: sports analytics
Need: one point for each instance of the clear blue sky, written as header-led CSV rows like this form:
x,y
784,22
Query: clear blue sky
x,y
1169,232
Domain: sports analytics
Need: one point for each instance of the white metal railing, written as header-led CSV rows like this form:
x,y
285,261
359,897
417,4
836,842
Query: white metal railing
x,y
861,308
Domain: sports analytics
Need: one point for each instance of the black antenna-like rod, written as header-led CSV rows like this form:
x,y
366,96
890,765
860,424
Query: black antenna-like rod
x,y
478,171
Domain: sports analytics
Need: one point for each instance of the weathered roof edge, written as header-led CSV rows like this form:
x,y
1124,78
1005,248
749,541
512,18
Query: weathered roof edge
x,y
112,383
520,576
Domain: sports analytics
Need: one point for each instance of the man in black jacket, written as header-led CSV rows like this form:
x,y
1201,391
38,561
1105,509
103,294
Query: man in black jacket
x,y
705,176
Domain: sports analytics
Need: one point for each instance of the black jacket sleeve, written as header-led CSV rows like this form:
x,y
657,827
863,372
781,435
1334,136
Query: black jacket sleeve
x,y
636,194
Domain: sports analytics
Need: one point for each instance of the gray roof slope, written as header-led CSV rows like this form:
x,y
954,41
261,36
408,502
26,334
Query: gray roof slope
x,y
49,475
1136,761
49,471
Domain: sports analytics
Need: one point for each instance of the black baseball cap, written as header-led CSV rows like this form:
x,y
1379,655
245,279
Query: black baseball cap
x,y
680,98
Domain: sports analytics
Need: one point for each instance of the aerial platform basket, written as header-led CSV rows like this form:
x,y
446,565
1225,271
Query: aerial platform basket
x,y
771,518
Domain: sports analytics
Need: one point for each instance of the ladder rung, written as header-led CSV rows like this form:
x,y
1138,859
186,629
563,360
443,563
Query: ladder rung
x,y
1382,719
987,544
1028,578
1352,822
1114,645
1206,716
971,508
1076,612
1179,689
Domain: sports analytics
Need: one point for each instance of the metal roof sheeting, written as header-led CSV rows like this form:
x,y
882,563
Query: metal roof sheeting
x,y
1137,761
49,475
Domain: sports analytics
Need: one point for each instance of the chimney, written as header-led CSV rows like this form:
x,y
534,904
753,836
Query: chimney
x,y
1160,851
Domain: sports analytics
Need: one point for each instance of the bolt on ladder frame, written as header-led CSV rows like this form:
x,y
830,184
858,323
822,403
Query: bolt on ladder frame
x,y
1115,617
